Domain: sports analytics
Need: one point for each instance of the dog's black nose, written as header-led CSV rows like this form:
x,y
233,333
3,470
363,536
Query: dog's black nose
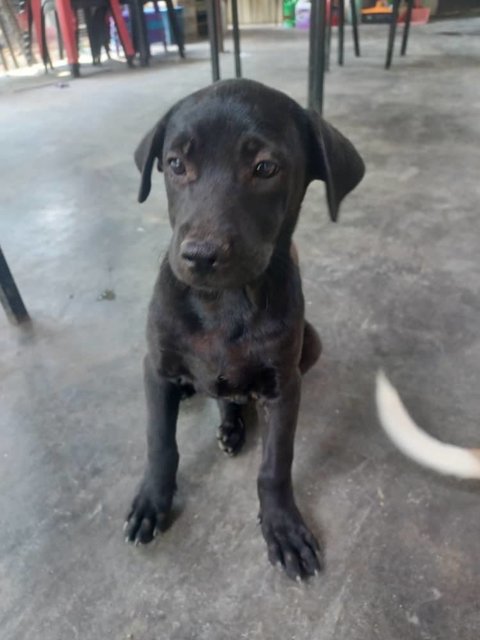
x,y
199,255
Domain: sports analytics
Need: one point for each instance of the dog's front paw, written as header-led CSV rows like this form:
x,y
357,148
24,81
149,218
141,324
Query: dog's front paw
x,y
231,436
146,518
290,543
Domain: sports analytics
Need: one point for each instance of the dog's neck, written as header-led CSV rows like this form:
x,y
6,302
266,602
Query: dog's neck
x,y
249,299
268,292
257,292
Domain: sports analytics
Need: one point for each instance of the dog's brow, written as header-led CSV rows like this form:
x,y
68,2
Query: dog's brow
x,y
187,147
251,145
184,142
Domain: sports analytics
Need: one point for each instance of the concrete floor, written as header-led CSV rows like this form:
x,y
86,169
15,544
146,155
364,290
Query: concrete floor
x,y
395,283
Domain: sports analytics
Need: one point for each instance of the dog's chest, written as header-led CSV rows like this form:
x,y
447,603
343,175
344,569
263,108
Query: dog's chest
x,y
234,370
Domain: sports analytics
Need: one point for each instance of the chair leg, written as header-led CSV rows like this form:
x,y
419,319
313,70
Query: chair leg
x,y
3,58
341,31
67,21
47,61
391,33
61,54
37,24
406,30
88,17
4,31
356,40
122,31
10,295
28,35
13,22
106,33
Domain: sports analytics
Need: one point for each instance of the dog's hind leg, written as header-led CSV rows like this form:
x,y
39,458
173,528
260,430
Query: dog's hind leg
x,y
231,432
311,349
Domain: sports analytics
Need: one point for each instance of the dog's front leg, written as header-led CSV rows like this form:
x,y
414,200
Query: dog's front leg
x,y
151,506
289,541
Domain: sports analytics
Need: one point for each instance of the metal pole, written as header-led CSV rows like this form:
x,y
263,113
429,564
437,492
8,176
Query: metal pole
x,y
356,41
236,39
213,36
406,30
328,39
218,9
139,28
9,294
316,66
391,33
341,31
175,27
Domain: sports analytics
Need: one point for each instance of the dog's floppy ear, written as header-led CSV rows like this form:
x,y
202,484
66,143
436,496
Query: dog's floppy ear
x,y
149,150
333,159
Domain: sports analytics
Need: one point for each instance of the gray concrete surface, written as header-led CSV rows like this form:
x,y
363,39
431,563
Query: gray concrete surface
x,y
394,284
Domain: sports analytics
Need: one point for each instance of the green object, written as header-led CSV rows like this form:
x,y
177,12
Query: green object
x,y
289,13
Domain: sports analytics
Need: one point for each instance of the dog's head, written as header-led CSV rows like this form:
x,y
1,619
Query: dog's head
x,y
237,159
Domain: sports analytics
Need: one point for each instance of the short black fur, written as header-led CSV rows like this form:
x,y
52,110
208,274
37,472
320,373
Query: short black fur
x,y
227,313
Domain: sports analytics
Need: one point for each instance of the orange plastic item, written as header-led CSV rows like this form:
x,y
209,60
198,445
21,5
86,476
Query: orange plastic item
x,y
381,6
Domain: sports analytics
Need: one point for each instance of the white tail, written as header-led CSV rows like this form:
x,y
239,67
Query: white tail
x,y
418,445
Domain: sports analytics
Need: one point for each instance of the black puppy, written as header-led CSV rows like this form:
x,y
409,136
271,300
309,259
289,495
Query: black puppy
x,y
227,313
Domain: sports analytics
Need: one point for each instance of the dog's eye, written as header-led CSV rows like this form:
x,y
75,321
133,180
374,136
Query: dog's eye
x,y
177,166
265,169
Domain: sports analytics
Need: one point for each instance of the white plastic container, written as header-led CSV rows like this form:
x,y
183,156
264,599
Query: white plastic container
x,y
302,14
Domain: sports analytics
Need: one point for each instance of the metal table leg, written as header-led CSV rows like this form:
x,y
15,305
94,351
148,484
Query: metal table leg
x,y
139,28
316,65
213,20
356,40
221,43
236,39
328,36
406,30
341,31
9,294
176,31
391,33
